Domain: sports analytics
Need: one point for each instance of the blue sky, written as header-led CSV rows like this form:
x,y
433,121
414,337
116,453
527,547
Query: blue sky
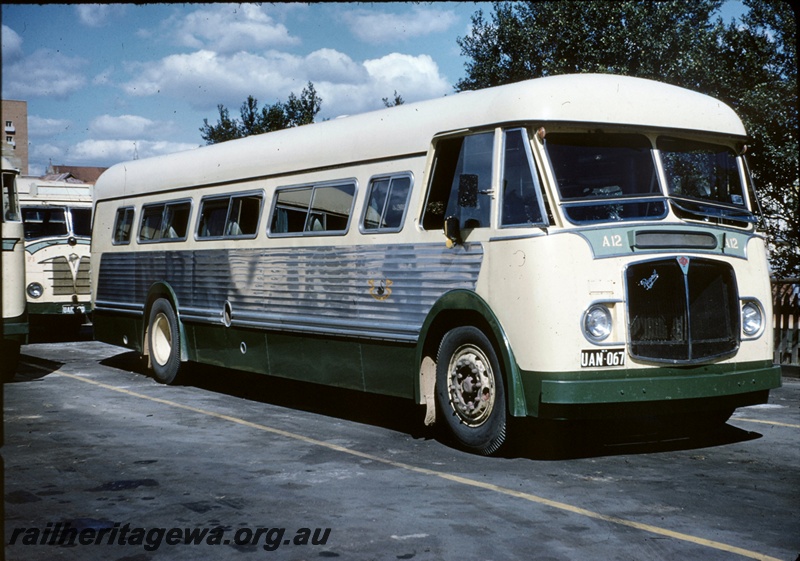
x,y
105,82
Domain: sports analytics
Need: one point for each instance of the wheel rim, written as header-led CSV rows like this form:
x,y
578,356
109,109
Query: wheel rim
x,y
161,341
471,387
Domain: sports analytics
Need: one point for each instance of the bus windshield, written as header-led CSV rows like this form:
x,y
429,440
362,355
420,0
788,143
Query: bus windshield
x,y
605,177
703,179
611,177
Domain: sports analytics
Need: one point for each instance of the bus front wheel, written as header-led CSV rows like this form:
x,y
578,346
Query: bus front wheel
x,y
469,391
164,342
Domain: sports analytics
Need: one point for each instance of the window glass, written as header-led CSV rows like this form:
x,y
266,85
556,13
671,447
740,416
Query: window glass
x,y
43,222
592,169
122,225
330,208
320,209
151,223
165,222
461,182
213,213
701,171
522,204
81,221
176,221
386,203
291,208
10,208
243,216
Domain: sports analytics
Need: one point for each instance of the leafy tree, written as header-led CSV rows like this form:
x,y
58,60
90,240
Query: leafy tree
x,y
751,66
398,100
296,111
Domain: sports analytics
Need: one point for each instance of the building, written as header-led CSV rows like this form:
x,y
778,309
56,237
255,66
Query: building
x,y
15,137
86,174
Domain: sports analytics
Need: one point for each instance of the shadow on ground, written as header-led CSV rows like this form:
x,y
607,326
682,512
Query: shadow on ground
x,y
528,438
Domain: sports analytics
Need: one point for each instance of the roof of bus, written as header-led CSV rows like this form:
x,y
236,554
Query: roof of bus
x,y
408,129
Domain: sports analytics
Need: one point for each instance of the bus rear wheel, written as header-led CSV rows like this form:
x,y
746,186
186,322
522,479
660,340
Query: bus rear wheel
x,y
469,391
164,342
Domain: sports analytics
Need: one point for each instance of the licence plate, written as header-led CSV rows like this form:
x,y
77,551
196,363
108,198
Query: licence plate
x,y
66,309
602,358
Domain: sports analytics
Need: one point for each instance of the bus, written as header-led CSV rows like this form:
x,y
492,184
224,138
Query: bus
x,y
57,216
15,318
569,247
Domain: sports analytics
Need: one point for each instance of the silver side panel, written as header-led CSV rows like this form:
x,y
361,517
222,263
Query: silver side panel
x,y
382,292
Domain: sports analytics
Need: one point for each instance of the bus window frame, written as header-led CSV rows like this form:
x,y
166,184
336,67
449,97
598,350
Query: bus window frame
x,y
259,193
352,181
166,205
535,176
115,227
391,177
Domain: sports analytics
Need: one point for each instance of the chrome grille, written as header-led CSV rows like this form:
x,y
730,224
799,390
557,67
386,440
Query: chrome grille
x,y
682,310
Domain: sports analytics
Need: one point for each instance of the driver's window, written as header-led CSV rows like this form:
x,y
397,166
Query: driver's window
x,y
461,182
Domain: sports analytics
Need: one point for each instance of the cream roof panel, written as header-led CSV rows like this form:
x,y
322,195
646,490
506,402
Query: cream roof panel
x,y
408,129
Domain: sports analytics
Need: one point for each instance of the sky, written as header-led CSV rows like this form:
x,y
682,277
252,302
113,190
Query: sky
x,y
105,83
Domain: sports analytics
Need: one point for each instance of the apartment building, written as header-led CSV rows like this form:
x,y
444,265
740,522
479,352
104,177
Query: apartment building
x,y
14,115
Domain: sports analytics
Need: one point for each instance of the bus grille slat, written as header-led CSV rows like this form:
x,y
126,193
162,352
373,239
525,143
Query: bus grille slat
x,y
682,310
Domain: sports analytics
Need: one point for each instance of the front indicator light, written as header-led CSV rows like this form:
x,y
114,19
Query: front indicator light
x,y
752,319
597,323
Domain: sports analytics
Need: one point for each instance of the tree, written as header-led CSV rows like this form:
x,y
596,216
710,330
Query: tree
x,y
295,112
751,66
398,100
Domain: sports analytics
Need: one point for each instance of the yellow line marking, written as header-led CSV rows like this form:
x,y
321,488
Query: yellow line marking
x,y
425,471
777,424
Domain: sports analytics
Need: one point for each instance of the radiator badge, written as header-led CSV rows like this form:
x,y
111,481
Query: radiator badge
x,y
683,261
650,281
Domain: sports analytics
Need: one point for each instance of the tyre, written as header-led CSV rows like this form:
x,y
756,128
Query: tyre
x,y
164,342
470,393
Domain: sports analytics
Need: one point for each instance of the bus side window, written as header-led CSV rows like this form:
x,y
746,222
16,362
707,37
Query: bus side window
x,y
122,225
318,209
461,182
243,216
387,201
522,203
176,221
165,221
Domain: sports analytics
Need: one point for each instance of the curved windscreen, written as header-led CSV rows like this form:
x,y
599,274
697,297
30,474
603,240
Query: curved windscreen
x,y
605,177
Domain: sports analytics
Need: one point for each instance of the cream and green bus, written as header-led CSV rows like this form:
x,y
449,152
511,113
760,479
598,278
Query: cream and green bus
x,y
15,318
568,247
57,216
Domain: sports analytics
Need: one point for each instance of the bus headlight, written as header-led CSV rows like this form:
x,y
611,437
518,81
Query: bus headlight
x,y
752,318
597,322
35,290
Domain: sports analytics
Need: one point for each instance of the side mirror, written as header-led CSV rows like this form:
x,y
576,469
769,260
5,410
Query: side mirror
x,y
452,231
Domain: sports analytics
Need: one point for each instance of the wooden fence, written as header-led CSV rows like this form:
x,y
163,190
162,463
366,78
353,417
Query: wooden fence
x,y
786,307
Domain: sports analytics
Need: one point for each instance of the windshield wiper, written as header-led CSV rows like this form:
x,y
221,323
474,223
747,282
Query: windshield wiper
x,y
710,210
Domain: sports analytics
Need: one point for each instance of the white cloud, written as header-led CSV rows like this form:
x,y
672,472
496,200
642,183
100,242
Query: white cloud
x,y
229,28
97,15
12,45
108,152
127,126
377,27
204,79
45,73
40,127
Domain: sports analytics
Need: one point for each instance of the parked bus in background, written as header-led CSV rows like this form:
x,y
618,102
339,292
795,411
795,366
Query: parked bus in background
x,y
57,216
15,319
569,247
